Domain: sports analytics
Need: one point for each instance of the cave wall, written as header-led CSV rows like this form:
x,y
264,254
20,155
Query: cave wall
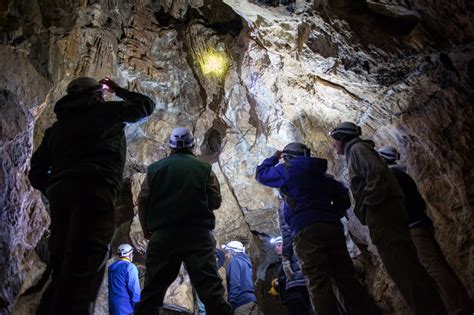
x,y
403,70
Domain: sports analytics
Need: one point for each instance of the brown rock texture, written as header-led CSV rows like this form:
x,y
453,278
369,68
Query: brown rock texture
x,y
403,70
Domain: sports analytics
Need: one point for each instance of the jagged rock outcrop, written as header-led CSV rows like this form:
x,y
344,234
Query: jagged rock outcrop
x,y
403,70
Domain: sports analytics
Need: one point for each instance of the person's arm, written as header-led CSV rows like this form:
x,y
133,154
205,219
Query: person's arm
x,y
287,249
267,174
41,165
213,191
133,285
135,105
143,207
287,246
375,172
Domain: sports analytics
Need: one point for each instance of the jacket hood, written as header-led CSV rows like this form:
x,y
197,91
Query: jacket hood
x,y
349,144
73,104
311,164
244,258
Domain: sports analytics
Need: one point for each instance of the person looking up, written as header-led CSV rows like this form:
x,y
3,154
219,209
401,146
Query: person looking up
x,y
314,203
79,166
379,205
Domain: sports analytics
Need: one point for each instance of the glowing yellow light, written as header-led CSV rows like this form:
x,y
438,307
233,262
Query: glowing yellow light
x,y
214,63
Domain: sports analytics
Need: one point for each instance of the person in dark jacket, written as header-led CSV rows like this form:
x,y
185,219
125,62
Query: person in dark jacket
x,y
313,205
452,291
175,207
79,167
240,289
379,205
291,282
124,284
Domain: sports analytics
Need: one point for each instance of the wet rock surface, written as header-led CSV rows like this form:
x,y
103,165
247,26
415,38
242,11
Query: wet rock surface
x,y
403,70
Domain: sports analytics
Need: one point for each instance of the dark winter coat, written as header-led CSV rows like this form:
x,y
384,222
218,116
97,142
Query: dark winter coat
x,y
414,202
183,192
311,196
371,182
87,141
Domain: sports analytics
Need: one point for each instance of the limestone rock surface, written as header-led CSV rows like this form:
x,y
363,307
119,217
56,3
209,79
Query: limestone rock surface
x,y
403,70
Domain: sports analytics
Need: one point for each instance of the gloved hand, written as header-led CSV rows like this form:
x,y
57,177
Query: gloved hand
x,y
286,265
109,85
275,288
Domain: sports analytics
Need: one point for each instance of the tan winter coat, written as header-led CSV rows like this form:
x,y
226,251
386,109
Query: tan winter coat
x,y
371,181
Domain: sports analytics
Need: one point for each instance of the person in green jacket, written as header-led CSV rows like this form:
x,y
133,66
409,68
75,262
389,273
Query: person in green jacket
x,y
175,206
379,205
79,167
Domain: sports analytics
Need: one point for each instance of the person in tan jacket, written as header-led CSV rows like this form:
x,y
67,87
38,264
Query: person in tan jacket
x,y
379,205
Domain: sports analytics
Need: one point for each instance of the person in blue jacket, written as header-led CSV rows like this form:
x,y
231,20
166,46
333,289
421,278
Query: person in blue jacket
x,y
124,285
314,203
240,289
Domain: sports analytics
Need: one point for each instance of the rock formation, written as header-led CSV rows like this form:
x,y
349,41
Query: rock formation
x,y
403,70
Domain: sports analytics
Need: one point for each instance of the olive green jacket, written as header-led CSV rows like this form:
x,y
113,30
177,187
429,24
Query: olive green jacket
x,y
181,191
371,181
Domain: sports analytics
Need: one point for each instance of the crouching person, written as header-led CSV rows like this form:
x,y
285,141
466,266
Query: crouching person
x,y
314,205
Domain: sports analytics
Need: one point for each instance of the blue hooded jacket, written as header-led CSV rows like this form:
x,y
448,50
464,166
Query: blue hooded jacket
x,y
124,287
311,196
239,281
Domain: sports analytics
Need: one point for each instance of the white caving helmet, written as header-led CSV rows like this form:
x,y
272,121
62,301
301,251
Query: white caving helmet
x,y
181,138
234,246
82,84
276,240
389,153
124,250
345,131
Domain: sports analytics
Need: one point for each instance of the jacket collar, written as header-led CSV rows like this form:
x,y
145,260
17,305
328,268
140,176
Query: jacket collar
x,y
347,149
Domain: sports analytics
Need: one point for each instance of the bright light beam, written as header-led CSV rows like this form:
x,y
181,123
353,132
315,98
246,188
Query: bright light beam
x,y
214,64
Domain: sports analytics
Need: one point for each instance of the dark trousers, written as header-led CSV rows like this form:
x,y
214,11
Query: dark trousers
x,y
298,302
388,226
322,253
166,251
450,287
82,225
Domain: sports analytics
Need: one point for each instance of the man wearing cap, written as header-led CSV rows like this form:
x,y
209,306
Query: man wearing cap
x,y
450,287
79,167
379,205
240,289
314,203
175,207
124,284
